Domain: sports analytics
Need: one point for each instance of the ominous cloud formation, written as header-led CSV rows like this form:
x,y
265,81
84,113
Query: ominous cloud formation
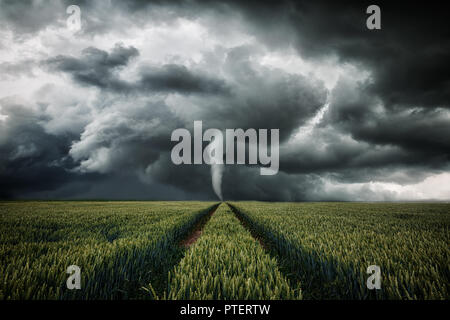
x,y
363,114
96,67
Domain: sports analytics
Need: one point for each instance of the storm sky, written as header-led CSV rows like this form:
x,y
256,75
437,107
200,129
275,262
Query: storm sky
x,y
364,115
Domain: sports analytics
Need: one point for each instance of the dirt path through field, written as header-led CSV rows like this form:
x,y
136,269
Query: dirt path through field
x,y
247,227
197,231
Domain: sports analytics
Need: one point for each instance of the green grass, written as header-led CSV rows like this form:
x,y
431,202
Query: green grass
x,y
327,247
228,263
130,250
119,247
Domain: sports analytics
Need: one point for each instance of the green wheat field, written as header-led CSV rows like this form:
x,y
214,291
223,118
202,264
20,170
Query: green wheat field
x,y
236,250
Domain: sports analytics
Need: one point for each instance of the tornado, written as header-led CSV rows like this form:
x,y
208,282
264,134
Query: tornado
x,y
216,177
217,168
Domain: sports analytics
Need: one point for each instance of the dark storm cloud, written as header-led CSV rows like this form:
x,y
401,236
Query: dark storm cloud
x,y
106,144
31,159
99,187
128,139
96,67
348,163
261,97
100,69
280,187
391,127
282,100
38,165
177,78
369,144
419,134
423,131
408,56
193,179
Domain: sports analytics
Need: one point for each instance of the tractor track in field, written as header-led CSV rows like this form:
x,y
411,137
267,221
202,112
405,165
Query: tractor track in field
x,y
196,232
268,247
247,227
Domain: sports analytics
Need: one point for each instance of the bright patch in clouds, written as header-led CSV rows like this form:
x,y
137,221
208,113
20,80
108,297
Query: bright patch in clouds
x,y
435,187
328,70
